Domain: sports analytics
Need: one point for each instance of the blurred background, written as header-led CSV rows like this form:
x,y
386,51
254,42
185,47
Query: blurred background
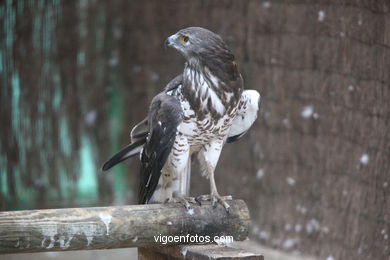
x,y
314,170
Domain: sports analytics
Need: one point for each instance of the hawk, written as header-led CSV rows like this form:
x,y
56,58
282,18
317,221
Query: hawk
x,y
197,112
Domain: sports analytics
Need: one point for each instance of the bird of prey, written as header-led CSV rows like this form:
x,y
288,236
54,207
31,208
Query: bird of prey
x,y
197,112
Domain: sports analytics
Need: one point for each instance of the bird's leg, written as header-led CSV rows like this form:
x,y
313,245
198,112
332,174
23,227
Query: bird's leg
x,y
214,196
186,201
208,158
179,161
178,195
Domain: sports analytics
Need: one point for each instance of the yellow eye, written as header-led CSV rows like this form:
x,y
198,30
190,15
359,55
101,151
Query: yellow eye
x,y
184,39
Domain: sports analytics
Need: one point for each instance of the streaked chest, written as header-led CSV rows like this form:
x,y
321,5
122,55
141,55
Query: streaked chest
x,y
209,119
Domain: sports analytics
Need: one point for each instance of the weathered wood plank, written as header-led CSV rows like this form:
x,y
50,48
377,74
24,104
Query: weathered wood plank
x,y
145,253
199,252
116,227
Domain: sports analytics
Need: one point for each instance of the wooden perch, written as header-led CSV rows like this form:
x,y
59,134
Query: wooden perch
x,y
116,227
198,252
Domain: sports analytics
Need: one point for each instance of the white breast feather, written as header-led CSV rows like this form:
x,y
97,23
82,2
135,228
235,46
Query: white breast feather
x,y
204,91
216,102
188,127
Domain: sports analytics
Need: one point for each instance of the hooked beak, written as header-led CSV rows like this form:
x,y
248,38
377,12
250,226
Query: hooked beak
x,y
169,42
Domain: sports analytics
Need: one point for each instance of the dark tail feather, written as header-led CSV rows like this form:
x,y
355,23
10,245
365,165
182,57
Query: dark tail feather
x,y
127,152
234,138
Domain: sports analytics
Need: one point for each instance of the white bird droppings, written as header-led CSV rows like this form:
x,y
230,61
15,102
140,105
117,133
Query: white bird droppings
x,y
113,61
298,228
312,226
169,223
289,243
135,239
63,244
364,159
307,111
223,241
90,117
330,257
325,229
384,234
266,4
260,174
290,181
190,211
183,251
321,16
106,219
264,235
286,122
301,209
49,232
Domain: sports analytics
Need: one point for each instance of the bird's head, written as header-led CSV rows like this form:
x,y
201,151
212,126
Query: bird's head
x,y
197,42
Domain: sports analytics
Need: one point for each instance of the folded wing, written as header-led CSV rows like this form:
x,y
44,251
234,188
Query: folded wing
x,y
139,133
165,115
248,109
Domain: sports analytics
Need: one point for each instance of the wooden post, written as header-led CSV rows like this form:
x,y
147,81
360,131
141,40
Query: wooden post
x,y
198,252
116,227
